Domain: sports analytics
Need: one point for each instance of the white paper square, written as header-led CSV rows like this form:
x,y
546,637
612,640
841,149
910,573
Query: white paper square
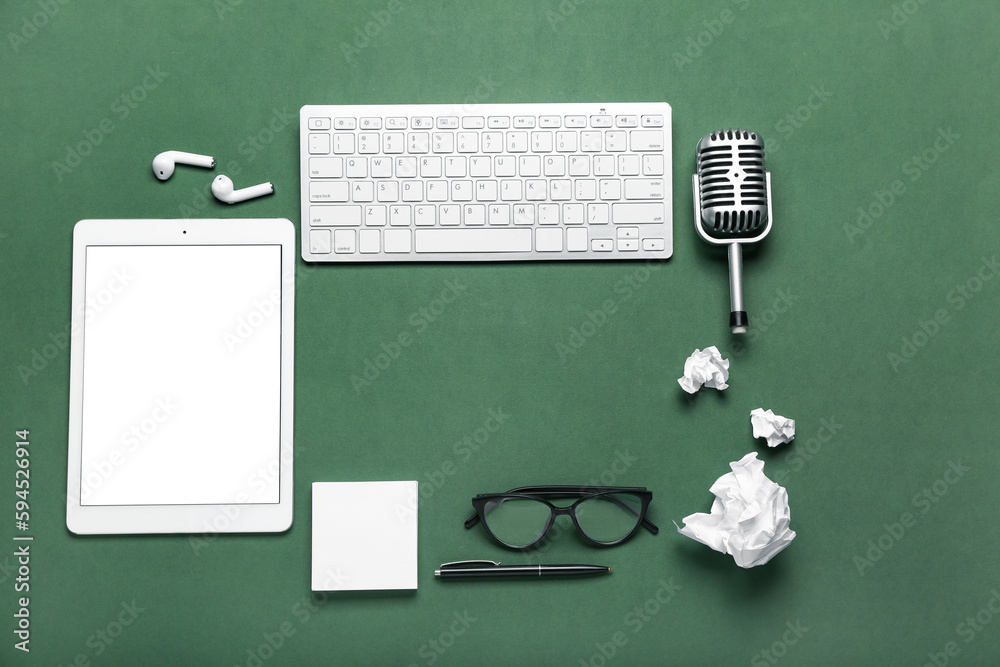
x,y
364,536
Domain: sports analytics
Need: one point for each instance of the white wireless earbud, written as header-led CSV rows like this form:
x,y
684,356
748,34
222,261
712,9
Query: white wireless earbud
x,y
164,163
222,188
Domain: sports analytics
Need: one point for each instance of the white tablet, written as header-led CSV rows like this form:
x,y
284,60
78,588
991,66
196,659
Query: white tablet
x,y
181,376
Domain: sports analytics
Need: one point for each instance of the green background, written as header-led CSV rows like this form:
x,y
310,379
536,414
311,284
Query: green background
x,y
885,107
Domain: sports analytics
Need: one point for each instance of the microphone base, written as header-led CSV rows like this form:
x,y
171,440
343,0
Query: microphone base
x,y
738,321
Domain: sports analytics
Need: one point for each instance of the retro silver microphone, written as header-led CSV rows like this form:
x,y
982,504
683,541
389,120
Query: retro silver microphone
x,y
732,203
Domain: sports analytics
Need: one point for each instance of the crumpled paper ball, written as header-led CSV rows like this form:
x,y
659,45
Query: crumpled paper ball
x,y
749,518
775,428
705,368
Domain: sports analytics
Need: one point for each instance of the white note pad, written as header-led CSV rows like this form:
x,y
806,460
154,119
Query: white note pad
x,y
364,536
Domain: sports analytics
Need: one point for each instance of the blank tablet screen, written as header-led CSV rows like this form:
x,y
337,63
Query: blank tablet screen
x,y
181,375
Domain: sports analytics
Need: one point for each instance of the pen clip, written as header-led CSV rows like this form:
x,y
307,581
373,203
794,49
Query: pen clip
x,y
459,564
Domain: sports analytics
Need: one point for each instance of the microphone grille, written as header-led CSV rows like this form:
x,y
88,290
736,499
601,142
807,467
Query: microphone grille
x,y
732,180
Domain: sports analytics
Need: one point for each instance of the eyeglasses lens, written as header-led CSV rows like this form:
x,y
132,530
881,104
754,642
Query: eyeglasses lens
x,y
516,522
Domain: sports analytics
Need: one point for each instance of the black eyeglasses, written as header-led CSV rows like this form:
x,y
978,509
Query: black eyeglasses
x,y
604,515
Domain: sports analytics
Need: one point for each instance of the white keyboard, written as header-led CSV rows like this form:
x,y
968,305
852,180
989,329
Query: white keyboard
x,y
432,183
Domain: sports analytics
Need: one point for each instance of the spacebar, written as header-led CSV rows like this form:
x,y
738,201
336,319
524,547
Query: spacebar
x,y
473,240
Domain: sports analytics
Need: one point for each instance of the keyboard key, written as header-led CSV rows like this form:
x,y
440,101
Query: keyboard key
x,y
499,215
566,142
319,144
473,122
343,144
572,214
591,142
653,244
437,191
369,241
447,122
450,215
576,239
627,121
554,165
347,215
486,190
381,167
421,122
424,215
548,214
375,216
529,165
628,245
474,215
397,240
652,120
443,142
541,142
329,191
604,165
320,242
535,189
628,233
393,142
586,189
319,123
368,143
345,123
468,142
652,164
399,216
370,123
343,241
454,166
326,167
395,123
498,122
504,165
628,165
362,191
480,166
644,188
602,245
525,122
524,214
600,120
549,121
575,121
614,141
406,167
357,167
492,142
461,190
430,167
579,165
412,191
473,240
517,142
611,188
637,214
418,142
646,140
560,189
597,214
549,239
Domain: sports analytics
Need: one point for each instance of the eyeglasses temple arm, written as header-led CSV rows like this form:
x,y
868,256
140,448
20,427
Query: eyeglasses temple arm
x,y
474,519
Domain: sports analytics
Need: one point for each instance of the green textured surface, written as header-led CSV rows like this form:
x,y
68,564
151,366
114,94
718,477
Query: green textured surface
x,y
230,78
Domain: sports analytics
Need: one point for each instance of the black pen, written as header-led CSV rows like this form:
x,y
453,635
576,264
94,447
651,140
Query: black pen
x,y
489,568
